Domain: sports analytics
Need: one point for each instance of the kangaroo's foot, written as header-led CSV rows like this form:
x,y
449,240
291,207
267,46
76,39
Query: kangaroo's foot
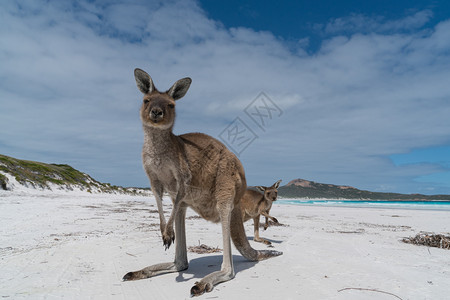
x,y
266,242
168,236
154,270
208,282
134,276
200,288
261,240
265,254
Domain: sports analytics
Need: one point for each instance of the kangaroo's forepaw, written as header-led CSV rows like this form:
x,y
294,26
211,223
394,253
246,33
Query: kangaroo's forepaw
x,y
168,237
266,226
275,220
200,288
167,241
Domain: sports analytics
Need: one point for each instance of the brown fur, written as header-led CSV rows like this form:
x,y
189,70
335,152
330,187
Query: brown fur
x,y
198,172
255,204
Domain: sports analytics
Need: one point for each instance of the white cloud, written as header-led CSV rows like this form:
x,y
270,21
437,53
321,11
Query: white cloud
x,y
68,94
366,24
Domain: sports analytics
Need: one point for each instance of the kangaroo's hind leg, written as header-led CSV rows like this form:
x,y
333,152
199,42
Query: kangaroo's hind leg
x,y
227,271
179,264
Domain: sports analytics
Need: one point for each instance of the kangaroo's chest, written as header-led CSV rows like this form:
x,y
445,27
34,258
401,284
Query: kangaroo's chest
x,y
264,206
268,206
161,169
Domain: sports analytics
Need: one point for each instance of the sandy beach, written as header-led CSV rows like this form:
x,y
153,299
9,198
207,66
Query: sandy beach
x,y
78,246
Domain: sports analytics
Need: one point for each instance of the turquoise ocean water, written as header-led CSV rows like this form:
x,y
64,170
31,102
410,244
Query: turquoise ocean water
x,y
434,205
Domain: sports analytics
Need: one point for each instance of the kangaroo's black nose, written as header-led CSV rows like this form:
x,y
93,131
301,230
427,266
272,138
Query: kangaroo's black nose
x,y
156,112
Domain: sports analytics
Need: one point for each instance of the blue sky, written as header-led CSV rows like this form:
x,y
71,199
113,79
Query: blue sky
x,y
359,90
305,20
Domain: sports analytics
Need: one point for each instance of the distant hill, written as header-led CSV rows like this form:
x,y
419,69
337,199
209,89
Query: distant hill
x,y
300,188
37,175
16,173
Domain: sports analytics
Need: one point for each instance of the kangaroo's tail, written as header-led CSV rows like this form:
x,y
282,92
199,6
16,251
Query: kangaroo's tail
x,y
240,239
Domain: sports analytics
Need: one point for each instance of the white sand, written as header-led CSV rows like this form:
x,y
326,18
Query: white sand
x,y
78,246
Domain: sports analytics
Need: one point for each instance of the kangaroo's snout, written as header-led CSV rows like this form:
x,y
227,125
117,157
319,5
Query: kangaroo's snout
x,y
156,113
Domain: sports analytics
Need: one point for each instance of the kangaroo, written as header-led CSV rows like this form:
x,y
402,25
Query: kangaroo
x,y
253,204
197,171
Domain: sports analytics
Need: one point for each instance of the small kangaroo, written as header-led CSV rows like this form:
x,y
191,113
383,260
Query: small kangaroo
x,y
254,204
197,171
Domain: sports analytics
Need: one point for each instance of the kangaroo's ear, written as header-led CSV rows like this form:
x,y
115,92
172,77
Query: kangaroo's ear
x,y
179,88
276,184
261,188
143,81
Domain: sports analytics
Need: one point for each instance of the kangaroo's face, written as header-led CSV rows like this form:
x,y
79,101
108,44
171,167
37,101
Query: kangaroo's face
x,y
158,109
270,193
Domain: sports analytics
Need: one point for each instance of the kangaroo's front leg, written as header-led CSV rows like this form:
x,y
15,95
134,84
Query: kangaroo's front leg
x,y
256,237
265,214
158,190
179,264
168,233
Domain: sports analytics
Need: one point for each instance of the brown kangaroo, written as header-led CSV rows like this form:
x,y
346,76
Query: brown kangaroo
x,y
255,204
197,171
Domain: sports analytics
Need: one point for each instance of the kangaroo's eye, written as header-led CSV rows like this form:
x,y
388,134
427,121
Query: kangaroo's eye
x,y
171,105
146,101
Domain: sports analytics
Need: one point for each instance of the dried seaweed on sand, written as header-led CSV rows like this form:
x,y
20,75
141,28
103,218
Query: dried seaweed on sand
x,y
430,240
202,249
